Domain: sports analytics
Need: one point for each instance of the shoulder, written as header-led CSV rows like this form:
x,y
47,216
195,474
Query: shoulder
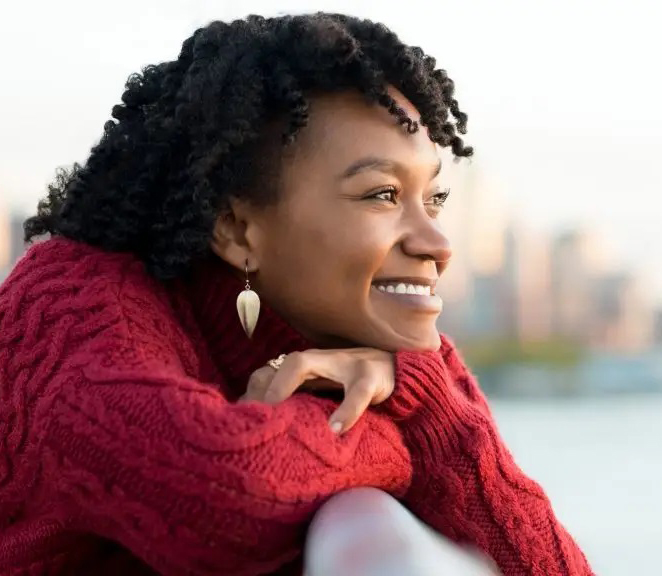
x,y
71,277
64,297
60,266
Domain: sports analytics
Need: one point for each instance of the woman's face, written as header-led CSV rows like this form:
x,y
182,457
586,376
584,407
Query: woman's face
x,y
356,225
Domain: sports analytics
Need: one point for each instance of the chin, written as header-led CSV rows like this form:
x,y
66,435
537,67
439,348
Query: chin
x,y
423,339
430,343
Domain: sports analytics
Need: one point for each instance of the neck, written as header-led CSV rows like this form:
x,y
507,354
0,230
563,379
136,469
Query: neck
x,y
212,291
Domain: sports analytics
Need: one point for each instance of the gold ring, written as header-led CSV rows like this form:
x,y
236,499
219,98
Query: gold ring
x,y
276,363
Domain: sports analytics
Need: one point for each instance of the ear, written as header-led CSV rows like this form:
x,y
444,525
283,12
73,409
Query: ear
x,y
232,237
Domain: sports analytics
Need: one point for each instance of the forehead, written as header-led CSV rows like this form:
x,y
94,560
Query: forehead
x,y
344,127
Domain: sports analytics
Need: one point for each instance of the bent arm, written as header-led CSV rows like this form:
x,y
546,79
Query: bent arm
x,y
466,483
192,484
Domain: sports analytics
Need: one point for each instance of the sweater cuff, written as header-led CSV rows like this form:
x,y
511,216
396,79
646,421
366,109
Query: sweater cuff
x,y
415,373
436,413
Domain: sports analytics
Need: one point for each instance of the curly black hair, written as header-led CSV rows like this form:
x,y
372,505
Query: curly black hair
x,y
191,133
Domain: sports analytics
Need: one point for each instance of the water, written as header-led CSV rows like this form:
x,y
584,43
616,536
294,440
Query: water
x,y
600,462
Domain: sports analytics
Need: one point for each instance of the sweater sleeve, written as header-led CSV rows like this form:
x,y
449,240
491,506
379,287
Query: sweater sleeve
x,y
192,484
466,484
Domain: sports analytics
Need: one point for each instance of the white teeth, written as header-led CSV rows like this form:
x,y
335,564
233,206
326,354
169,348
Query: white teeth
x,y
402,288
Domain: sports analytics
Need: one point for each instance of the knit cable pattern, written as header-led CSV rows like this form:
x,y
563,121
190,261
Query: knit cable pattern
x,y
120,444
105,433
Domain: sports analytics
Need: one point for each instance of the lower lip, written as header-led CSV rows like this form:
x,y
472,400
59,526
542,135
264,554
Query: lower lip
x,y
430,304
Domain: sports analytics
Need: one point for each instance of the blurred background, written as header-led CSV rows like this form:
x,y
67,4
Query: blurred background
x,y
555,290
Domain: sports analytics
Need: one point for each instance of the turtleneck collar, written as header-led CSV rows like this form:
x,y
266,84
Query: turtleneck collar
x,y
212,291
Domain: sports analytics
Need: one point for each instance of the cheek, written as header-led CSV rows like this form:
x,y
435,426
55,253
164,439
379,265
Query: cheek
x,y
319,269
339,254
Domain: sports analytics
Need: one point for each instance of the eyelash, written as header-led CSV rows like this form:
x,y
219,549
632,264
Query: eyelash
x,y
439,198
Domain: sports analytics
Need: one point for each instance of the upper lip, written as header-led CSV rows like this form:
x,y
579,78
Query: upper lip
x,y
431,282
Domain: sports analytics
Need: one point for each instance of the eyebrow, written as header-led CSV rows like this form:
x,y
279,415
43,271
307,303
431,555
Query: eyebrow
x,y
373,163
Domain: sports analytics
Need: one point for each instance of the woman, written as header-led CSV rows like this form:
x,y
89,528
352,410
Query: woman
x,y
146,425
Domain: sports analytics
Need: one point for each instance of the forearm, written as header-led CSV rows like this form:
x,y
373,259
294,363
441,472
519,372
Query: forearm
x,y
192,484
480,496
466,484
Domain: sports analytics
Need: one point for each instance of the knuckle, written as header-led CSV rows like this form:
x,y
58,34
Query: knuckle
x,y
252,381
258,381
366,386
274,392
297,360
367,369
364,364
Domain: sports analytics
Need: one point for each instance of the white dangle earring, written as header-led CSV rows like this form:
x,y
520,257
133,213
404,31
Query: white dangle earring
x,y
248,306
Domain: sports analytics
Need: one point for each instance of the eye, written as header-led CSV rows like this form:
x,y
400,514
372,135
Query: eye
x,y
388,194
439,199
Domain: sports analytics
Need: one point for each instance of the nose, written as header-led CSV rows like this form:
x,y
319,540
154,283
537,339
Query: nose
x,y
425,240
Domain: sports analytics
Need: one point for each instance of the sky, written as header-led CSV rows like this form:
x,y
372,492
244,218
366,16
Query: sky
x,y
563,96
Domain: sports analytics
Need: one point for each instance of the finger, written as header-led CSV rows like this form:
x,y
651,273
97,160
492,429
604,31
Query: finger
x,y
258,384
301,367
357,399
297,368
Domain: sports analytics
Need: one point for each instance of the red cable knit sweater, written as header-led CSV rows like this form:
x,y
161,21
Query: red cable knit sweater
x,y
123,453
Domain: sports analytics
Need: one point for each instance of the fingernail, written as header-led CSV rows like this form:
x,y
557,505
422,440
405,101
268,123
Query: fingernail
x,y
336,427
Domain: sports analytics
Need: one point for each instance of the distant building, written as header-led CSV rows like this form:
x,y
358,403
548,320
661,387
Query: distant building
x,y
595,304
508,281
17,245
657,327
534,305
577,260
624,319
488,315
526,285
474,221
455,284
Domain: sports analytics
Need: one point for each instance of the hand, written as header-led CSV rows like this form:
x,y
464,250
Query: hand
x,y
365,374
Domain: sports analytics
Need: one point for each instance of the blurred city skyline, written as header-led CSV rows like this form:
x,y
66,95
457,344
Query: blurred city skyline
x,y
509,280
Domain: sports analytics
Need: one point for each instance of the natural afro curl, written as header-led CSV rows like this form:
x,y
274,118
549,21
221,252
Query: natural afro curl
x,y
189,133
